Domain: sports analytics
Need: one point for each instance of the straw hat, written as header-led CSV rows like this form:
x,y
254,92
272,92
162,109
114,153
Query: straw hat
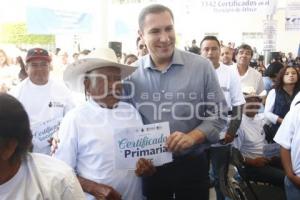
x,y
102,57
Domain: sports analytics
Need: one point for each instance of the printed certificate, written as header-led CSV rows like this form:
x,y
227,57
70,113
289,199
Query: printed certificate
x,y
148,141
43,131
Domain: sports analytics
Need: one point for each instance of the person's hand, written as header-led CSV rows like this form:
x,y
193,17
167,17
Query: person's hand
x,y
105,192
54,145
259,162
144,167
228,138
179,141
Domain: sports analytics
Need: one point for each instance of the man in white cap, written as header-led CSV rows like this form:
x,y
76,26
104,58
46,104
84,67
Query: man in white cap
x,y
86,133
45,100
251,141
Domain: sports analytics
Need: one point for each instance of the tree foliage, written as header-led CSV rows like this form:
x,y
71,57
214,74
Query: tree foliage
x,y
16,33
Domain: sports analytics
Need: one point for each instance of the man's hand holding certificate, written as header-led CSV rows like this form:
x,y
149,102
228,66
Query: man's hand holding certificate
x,y
148,142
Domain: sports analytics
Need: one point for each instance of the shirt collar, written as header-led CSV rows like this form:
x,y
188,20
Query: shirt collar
x,y
94,105
177,60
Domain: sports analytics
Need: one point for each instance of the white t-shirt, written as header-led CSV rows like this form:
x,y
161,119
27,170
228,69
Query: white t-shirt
x,y
42,177
230,84
288,136
251,136
252,78
45,105
229,81
269,107
86,144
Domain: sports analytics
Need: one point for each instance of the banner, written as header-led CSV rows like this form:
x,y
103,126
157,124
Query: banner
x,y
55,21
270,34
147,142
292,16
267,7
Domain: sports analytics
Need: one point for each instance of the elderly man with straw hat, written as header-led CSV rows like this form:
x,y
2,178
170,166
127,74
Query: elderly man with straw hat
x,y
86,133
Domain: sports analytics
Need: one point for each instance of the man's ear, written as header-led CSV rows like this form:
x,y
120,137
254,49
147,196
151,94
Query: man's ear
x,y
87,83
8,149
26,68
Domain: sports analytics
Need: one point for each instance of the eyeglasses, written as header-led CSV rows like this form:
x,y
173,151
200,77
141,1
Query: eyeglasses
x,y
142,46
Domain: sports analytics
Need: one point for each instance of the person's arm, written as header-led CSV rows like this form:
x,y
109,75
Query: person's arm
x,y
216,110
65,146
287,165
238,141
237,102
234,123
71,190
214,119
260,86
269,107
99,191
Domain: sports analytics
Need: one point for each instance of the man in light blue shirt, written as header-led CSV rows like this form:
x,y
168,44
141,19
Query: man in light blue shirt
x,y
183,89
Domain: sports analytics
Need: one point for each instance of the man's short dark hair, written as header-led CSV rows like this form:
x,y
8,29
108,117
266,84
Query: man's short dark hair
x,y
14,124
244,46
210,37
152,9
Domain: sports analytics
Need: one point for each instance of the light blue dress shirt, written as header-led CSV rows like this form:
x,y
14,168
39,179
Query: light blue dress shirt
x,y
186,94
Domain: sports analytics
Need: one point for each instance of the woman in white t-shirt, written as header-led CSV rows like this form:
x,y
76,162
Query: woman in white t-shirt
x,y
26,175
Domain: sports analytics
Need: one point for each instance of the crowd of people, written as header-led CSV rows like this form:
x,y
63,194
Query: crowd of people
x,y
214,97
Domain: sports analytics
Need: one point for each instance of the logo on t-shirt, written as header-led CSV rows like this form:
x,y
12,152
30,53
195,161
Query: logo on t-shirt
x,y
55,104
